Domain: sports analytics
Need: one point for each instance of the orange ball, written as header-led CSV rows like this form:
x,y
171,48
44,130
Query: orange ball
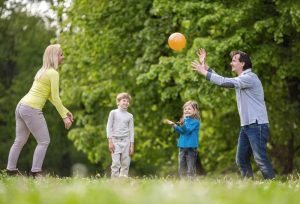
x,y
177,41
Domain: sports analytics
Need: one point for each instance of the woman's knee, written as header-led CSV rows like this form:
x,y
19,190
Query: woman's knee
x,y
20,143
44,142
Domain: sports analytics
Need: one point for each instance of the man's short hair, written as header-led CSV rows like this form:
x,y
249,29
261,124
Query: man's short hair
x,y
244,57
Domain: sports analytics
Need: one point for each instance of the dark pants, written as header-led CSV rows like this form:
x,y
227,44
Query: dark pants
x,y
187,162
253,140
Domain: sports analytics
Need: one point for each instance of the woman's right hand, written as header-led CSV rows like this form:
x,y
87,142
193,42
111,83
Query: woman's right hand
x,y
68,123
70,116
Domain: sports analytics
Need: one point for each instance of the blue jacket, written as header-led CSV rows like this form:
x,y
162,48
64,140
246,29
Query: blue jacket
x,y
189,133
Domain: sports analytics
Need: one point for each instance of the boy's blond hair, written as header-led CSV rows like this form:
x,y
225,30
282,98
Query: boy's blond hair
x,y
121,96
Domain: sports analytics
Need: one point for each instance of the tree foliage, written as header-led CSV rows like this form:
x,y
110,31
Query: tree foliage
x,y
115,46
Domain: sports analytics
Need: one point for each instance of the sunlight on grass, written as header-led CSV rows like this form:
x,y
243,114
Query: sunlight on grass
x,y
147,190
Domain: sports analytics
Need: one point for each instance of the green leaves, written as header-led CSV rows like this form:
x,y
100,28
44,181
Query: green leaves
x,y
114,46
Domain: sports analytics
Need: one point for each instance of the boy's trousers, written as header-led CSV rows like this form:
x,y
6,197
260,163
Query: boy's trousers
x,y
120,157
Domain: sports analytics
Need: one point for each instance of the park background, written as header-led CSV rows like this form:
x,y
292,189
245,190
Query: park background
x,y
113,46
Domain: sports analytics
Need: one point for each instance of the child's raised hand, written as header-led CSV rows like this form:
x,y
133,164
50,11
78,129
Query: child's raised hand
x,y
180,122
169,122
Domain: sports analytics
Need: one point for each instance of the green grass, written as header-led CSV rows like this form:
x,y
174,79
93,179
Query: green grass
x,y
17,190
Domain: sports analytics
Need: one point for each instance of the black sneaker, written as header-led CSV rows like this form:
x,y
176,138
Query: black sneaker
x,y
37,174
13,172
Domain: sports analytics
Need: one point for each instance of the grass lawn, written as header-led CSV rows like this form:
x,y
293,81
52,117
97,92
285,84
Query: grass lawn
x,y
231,190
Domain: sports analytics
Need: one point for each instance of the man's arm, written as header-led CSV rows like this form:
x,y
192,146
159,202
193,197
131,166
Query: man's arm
x,y
241,82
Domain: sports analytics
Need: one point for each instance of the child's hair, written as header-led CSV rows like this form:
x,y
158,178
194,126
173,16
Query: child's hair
x,y
121,96
50,59
195,106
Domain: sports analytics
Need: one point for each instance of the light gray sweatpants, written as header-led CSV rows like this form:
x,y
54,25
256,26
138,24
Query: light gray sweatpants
x,y
29,120
120,157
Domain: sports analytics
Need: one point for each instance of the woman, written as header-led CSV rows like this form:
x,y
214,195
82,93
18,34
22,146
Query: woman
x,y
29,115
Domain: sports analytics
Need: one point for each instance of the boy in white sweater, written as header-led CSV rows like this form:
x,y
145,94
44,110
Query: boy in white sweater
x,y
120,134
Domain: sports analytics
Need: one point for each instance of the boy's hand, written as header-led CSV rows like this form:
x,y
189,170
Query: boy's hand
x,y
111,146
131,149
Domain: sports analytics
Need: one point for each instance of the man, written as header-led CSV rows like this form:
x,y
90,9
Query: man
x,y
252,110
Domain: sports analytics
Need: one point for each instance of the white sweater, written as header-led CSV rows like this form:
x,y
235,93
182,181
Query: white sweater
x,y
120,124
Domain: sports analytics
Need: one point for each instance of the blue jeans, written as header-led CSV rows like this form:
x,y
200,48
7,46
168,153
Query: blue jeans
x,y
253,140
187,162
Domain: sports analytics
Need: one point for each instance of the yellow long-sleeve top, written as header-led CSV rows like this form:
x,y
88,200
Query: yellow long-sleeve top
x,y
47,87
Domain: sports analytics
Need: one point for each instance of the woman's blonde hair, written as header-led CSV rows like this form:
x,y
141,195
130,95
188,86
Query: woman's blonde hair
x,y
50,59
195,106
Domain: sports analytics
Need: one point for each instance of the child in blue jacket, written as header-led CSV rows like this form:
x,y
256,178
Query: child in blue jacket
x,y
188,139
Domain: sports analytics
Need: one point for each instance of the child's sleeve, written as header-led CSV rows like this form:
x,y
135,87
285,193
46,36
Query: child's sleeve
x,y
131,129
188,126
109,126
